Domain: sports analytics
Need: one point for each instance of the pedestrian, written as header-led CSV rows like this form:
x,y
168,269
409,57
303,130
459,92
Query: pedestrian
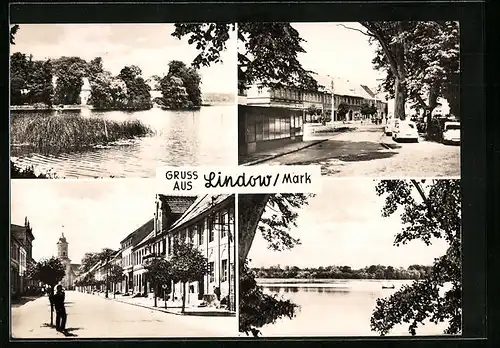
x,y
58,300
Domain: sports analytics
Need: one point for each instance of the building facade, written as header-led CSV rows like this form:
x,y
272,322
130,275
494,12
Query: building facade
x,y
71,269
21,247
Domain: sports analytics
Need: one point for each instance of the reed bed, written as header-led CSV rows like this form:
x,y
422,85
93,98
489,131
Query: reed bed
x,y
65,133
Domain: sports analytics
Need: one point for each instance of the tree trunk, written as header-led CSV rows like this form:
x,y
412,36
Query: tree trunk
x,y
250,208
399,100
183,296
429,108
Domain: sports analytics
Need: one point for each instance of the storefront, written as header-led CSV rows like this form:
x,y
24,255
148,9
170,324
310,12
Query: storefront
x,y
264,128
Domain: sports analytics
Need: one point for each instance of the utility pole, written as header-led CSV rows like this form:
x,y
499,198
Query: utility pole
x,y
333,99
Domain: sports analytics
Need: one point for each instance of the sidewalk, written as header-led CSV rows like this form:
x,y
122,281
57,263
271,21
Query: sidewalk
x,y
313,133
387,142
173,307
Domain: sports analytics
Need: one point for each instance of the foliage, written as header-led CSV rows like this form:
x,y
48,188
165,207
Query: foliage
x,y
115,274
94,68
188,265
256,308
71,132
16,172
368,110
69,72
13,31
88,261
107,92
420,59
87,280
48,271
344,272
438,215
138,91
342,110
159,273
268,54
31,81
313,110
181,86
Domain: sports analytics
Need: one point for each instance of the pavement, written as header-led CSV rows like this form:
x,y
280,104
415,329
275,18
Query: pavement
x,y
314,134
366,152
93,316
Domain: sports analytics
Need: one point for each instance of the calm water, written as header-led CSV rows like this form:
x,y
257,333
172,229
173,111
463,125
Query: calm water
x,y
203,137
335,308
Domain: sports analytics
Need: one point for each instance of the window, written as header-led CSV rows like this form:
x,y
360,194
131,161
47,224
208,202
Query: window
x,y
272,134
231,222
258,128
211,272
224,270
265,129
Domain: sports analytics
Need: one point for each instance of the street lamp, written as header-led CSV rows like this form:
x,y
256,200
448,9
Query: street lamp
x,y
332,87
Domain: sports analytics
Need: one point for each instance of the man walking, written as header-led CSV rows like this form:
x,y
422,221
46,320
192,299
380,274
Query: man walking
x,y
58,300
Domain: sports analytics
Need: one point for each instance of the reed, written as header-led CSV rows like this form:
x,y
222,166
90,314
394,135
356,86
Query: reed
x,y
64,133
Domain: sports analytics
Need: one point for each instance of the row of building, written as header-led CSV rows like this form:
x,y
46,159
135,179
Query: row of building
x,y
207,222
271,117
21,254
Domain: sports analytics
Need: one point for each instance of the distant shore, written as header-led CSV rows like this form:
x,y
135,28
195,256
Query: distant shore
x,y
46,107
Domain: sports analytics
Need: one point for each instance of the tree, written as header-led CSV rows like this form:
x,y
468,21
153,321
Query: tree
x,y
188,265
115,275
342,110
69,72
174,94
159,274
419,58
181,86
256,308
105,256
49,272
94,68
39,83
137,90
437,214
368,110
13,31
268,55
88,261
20,70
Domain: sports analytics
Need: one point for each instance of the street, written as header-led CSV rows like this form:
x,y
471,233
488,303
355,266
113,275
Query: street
x,y
358,153
92,316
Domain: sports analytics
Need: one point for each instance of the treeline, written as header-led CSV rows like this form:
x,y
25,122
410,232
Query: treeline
x,y
344,272
32,83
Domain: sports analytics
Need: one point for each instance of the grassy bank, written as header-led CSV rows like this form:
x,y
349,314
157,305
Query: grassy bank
x,y
64,133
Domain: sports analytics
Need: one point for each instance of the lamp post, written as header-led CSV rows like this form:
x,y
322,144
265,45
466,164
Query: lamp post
x,y
332,89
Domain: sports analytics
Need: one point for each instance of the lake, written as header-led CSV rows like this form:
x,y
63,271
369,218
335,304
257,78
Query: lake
x,y
202,137
334,308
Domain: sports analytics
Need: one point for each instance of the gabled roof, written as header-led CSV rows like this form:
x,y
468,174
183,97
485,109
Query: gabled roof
x,y
140,233
148,237
342,86
177,204
202,204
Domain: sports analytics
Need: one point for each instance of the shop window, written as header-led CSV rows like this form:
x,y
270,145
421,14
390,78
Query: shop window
x,y
258,128
272,134
265,129
224,270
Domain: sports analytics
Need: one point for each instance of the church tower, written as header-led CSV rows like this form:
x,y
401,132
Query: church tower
x,y
62,255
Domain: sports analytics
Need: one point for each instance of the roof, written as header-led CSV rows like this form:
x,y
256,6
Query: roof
x,y
19,232
148,237
344,87
62,239
177,204
75,267
140,233
202,204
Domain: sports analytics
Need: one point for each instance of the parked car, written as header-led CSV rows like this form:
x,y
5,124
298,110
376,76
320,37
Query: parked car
x,y
451,132
405,130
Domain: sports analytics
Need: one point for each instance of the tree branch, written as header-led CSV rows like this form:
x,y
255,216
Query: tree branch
x,y
361,31
385,47
430,211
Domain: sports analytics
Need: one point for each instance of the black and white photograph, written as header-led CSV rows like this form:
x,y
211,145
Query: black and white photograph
x,y
116,259
364,258
119,100
376,99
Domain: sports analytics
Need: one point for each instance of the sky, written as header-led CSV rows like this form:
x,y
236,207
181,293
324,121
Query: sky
x,y
149,46
92,214
343,226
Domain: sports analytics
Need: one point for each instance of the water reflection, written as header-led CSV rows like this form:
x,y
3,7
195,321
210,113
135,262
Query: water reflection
x,y
338,308
202,137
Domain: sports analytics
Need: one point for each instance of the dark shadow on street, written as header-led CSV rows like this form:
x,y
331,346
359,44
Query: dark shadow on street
x,y
68,331
366,156
23,300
